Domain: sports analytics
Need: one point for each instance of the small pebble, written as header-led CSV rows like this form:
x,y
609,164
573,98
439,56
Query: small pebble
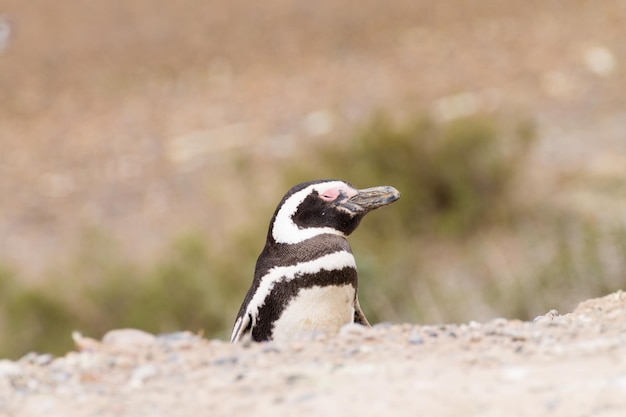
x,y
44,359
294,378
475,336
547,318
225,360
515,335
353,330
489,330
272,348
9,368
141,374
365,349
430,331
416,338
128,338
60,376
515,373
474,325
29,357
177,336
383,326
85,343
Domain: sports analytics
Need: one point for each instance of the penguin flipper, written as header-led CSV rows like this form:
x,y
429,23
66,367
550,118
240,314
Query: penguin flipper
x,y
243,325
359,317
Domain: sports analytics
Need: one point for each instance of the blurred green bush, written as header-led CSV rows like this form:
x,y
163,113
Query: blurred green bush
x,y
453,177
190,287
458,246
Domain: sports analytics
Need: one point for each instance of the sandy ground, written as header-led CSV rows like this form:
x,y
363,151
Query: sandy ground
x,y
557,365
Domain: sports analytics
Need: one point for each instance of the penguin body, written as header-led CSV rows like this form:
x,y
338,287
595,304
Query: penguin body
x,y
305,280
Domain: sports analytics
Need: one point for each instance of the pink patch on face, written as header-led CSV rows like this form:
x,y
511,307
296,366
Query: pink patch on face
x,y
331,194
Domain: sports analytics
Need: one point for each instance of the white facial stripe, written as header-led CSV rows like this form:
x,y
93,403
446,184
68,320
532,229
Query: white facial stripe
x,y
330,262
286,231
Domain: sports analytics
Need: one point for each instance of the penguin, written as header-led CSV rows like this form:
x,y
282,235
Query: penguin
x,y
305,279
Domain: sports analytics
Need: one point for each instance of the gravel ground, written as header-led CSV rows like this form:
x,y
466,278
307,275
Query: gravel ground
x,y
557,365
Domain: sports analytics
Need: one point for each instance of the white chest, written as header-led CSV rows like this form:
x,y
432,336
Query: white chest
x,y
316,310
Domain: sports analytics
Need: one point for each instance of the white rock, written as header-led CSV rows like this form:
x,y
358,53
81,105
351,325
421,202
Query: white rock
x,y
353,329
128,338
141,374
600,60
515,373
9,368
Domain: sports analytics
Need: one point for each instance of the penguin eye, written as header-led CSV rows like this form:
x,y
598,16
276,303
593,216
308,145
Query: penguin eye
x,y
330,195
336,194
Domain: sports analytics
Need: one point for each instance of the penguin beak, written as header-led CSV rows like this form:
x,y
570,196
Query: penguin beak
x,y
369,199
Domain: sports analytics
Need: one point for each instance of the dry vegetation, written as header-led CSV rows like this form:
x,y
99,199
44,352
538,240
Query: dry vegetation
x,y
143,146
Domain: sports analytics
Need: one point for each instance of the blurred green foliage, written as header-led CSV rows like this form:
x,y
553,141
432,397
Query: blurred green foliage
x,y
453,177
190,287
436,255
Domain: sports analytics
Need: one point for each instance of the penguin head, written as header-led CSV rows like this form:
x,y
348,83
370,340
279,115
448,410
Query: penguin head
x,y
325,207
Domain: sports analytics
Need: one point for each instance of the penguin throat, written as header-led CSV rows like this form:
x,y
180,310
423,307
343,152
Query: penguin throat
x,y
289,233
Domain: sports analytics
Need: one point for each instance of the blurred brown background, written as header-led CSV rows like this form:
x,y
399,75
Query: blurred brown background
x,y
144,120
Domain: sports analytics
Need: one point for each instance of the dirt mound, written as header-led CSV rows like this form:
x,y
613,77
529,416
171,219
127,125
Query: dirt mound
x,y
557,365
